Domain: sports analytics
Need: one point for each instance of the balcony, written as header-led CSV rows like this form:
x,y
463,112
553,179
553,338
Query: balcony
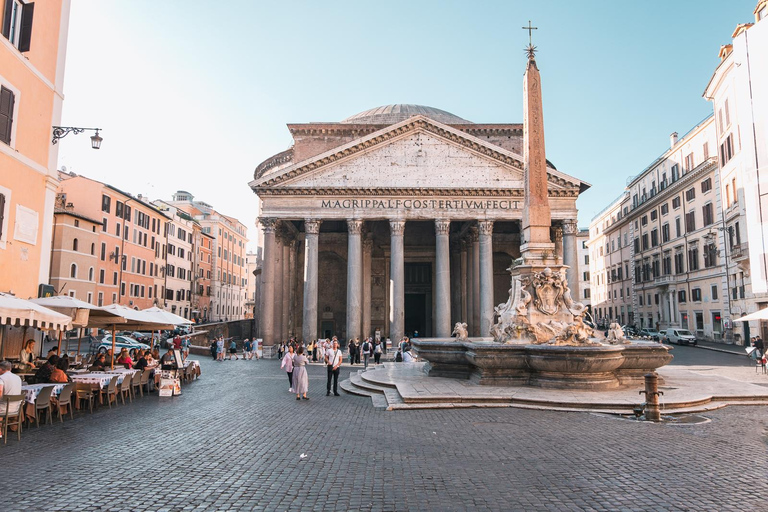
x,y
670,279
740,252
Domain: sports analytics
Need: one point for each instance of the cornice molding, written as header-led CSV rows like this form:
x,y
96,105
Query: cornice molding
x,y
408,192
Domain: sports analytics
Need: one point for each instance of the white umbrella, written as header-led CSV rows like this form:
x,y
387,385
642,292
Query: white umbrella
x,y
757,315
167,316
134,319
24,313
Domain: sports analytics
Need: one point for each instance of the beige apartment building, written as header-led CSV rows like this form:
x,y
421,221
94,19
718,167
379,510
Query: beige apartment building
x,y
203,265
658,251
228,272
179,255
74,254
33,47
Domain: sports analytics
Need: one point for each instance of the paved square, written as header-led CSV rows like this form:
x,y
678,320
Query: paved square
x,y
234,439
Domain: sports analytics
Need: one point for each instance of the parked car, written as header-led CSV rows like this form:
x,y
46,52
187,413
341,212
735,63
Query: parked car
x,y
680,336
121,342
136,335
629,331
651,333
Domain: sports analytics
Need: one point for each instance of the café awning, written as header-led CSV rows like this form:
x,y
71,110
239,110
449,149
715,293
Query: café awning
x,y
82,313
24,313
137,320
167,316
757,315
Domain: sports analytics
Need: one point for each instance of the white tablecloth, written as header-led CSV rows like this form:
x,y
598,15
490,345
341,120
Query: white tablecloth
x,y
32,390
124,371
102,379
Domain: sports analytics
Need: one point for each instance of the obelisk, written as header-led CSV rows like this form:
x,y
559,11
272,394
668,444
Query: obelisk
x,y
537,220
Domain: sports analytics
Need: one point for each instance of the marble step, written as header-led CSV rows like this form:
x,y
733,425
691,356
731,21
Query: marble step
x,y
358,380
378,400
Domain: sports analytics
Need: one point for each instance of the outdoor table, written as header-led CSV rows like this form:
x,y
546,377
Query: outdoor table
x,y
102,379
32,390
125,371
77,372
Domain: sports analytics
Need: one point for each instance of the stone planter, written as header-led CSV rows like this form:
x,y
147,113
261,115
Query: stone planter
x,y
446,358
642,358
495,364
568,367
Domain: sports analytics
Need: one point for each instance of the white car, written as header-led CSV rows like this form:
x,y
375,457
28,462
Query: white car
x,y
121,342
680,336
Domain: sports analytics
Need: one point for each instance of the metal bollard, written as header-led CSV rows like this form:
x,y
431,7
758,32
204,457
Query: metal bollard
x,y
652,393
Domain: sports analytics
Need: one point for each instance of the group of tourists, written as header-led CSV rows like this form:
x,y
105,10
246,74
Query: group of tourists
x,y
295,360
218,345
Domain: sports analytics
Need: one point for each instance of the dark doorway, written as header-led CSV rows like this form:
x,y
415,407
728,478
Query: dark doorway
x,y
416,314
327,329
418,299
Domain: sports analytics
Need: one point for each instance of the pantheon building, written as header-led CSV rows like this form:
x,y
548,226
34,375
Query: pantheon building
x,y
398,220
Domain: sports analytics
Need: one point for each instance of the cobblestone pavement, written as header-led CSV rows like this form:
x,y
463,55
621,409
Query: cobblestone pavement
x,y
234,440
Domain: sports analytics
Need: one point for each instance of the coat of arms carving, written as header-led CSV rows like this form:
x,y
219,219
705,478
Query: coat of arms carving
x,y
549,291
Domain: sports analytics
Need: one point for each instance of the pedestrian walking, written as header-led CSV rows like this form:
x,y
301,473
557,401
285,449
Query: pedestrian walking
x,y
351,350
333,358
280,350
287,365
247,349
300,378
377,353
232,349
220,348
357,350
185,344
367,347
213,349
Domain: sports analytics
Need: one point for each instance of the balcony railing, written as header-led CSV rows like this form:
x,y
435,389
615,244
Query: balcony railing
x,y
664,280
740,251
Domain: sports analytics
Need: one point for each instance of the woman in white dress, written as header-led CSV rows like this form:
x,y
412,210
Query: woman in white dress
x,y
300,378
287,365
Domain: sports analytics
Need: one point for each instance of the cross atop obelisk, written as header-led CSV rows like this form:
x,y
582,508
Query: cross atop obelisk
x,y
536,214
530,49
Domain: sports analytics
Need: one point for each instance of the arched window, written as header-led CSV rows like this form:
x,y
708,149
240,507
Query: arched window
x,y
90,274
93,249
73,271
74,244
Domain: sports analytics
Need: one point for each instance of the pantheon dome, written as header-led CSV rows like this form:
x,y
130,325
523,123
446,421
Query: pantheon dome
x,y
391,114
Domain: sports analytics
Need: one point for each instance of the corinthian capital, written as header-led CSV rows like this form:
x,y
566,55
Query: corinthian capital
x,y
268,224
570,227
397,227
485,227
312,226
442,227
354,226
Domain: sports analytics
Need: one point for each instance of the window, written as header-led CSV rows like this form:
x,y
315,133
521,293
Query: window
x,y
101,299
7,102
679,263
689,161
117,229
675,173
654,215
709,215
710,255
104,225
119,210
706,185
714,292
106,203
17,23
93,249
101,276
665,233
666,265
114,278
90,274
74,244
726,149
644,220
664,209
696,294
681,296
690,194
690,222
727,195
693,259
73,271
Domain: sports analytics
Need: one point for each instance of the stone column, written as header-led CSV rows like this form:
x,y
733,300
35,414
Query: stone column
x,y
354,278
455,284
571,253
396,281
464,316
367,249
287,249
470,318
311,236
267,311
475,291
292,272
558,232
279,334
485,244
442,279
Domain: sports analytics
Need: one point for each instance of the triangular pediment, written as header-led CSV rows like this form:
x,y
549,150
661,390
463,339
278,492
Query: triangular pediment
x,y
418,153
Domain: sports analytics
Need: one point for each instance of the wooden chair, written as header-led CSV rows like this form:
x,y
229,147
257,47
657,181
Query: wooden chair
x,y
12,419
125,388
85,391
43,403
110,392
144,381
65,398
136,384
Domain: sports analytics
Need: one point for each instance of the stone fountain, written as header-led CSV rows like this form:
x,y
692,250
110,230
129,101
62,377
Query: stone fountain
x,y
540,337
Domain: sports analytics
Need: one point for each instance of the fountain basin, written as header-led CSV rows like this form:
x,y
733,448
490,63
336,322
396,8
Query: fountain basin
x,y
641,358
446,357
574,367
495,364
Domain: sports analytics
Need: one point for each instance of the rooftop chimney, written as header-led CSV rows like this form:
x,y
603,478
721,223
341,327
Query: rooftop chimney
x,y
673,139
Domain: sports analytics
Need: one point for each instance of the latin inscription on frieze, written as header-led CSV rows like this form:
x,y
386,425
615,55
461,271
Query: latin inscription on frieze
x,y
422,204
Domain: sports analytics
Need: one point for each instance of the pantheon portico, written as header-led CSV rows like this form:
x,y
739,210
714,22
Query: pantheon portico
x,y
399,219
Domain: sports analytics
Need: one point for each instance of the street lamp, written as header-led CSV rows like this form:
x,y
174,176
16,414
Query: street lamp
x,y
59,132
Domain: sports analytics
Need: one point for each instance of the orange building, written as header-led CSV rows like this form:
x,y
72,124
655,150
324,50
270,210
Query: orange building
x,y
201,300
74,256
131,245
32,56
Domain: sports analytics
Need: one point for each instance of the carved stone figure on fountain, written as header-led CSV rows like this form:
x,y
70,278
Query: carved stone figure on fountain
x,y
460,331
615,334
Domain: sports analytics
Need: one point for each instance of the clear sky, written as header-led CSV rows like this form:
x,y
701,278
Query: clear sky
x,y
193,95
